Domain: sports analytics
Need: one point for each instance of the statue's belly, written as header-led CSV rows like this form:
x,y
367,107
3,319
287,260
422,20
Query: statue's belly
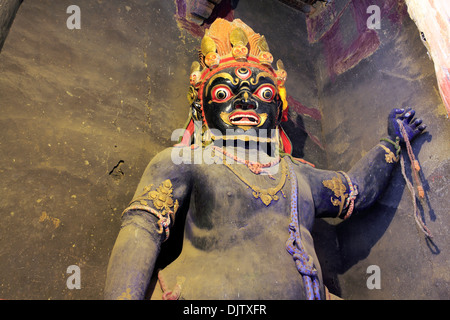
x,y
258,267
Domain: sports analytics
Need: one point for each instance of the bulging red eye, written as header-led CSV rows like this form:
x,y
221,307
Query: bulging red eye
x,y
221,94
266,93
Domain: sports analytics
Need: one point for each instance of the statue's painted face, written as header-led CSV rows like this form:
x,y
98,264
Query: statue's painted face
x,y
241,97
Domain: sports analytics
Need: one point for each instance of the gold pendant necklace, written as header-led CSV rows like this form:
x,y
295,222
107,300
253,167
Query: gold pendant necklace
x,y
266,195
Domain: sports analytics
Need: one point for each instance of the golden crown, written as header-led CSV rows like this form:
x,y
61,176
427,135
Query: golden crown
x,y
228,43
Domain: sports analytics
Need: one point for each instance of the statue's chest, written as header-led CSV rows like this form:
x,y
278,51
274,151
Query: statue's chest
x,y
233,192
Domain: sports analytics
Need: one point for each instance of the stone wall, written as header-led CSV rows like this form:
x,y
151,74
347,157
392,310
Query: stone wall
x,y
393,69
83,111
8,10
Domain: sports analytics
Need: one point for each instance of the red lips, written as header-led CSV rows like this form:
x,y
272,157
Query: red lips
x,y
244,118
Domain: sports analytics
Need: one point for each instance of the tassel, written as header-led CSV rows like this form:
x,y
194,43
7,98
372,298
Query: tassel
x,y
421,192
416,165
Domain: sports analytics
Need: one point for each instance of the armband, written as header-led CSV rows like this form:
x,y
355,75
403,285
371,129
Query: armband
x,y
162,200
390,158
350,202
342,199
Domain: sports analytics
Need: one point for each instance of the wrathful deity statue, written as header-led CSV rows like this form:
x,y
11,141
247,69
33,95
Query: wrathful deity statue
x,y
227,213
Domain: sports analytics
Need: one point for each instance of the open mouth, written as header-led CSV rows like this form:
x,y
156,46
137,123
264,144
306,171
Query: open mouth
x,y
241,118
244,119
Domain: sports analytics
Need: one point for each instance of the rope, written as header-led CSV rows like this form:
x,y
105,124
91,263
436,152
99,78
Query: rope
x,y
294,246
175,293
414,163
415,168
163,222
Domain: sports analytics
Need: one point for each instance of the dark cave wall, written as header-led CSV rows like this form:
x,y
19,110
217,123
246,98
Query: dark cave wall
x,y
362,75
83,111
8,11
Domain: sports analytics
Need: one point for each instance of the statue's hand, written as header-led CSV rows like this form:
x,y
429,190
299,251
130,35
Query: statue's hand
x,y
413,127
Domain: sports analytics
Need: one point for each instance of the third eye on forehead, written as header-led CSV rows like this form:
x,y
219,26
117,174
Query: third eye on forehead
x,y
236,84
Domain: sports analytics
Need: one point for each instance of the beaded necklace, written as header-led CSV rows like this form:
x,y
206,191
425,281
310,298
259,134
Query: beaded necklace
x,y
254,166
266,195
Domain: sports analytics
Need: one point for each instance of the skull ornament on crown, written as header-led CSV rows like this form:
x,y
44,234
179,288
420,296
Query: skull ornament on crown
x,y
234,86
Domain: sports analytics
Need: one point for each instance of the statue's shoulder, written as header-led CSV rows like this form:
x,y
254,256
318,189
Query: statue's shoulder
x,y
299,161
165,165
303,161
302,168
165,154
170,158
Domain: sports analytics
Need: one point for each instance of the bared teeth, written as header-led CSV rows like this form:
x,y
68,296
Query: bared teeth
x,y
244,118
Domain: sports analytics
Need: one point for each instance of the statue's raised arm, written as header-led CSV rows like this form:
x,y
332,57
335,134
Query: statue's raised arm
x,y
359,188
